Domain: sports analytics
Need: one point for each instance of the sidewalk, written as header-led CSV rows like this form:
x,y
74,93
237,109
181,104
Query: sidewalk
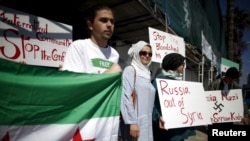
x,y
200,136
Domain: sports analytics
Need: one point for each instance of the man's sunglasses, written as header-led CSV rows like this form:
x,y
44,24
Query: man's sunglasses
x,y
145,53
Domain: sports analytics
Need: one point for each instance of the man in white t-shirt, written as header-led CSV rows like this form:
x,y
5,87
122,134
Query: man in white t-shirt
x,y
94,55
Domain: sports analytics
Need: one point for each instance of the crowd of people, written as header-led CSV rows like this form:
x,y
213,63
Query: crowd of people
x,y
141,118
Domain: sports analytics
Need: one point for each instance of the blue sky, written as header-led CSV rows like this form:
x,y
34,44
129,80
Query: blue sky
x,y
242,4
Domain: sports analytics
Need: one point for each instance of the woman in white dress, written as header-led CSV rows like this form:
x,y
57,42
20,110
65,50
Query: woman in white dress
x,y
136,122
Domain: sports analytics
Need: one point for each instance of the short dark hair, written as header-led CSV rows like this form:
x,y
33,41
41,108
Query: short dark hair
x,y
93,10
232,73
172,61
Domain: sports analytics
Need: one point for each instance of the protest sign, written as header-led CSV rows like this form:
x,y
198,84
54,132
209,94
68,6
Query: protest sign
x,y
163,43
31,39
182,103
225,107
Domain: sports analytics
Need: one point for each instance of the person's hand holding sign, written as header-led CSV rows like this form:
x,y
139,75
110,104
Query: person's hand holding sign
x,y
161,122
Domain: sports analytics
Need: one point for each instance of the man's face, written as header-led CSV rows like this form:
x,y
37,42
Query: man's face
x,y
229,80
103,26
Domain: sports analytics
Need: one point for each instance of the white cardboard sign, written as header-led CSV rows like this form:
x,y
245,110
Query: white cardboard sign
x,y
32,39
182,103
225,107
163,43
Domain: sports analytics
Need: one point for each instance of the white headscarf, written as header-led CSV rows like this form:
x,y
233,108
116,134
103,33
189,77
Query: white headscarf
x,y
133,52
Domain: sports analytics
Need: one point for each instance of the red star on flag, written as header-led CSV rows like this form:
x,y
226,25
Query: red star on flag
x,y
78,137
6,137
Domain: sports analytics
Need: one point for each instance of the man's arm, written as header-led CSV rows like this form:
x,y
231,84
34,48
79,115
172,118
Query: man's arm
x,y
113,69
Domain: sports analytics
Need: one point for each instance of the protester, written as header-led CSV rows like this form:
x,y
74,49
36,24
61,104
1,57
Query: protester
x,y
225,84
172,68
94,55
136,122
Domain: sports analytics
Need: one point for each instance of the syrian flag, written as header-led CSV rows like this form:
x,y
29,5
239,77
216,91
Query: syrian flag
x,y
45,104
226,64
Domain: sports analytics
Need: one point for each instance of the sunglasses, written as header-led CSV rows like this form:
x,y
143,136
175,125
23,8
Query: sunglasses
x,y
145,53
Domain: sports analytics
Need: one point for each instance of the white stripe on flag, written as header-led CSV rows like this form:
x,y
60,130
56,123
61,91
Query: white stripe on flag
x,y
99,129
224,68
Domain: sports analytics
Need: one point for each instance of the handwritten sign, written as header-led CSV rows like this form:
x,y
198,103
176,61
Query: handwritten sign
x,y
31,39
164,43
225,107
182,103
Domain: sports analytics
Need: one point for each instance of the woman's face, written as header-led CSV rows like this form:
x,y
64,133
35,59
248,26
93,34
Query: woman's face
x,y
180,68
145,55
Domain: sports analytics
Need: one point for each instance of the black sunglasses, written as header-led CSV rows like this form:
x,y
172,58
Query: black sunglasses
x,y
145,53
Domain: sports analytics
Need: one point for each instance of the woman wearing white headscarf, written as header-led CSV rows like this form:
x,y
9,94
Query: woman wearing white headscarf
x,y
136,123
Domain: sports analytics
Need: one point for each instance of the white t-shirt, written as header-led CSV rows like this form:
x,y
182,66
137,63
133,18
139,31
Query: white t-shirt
x,y
84,56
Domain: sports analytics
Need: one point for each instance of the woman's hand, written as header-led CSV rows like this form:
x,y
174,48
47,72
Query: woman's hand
x,y
134,131
161,122
245,120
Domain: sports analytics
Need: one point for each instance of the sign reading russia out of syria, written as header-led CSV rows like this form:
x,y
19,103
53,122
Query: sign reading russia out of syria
x,y
31,39
182,103
225,106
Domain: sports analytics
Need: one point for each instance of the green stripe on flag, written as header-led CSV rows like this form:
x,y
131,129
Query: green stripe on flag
x,y
40,95
229,63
